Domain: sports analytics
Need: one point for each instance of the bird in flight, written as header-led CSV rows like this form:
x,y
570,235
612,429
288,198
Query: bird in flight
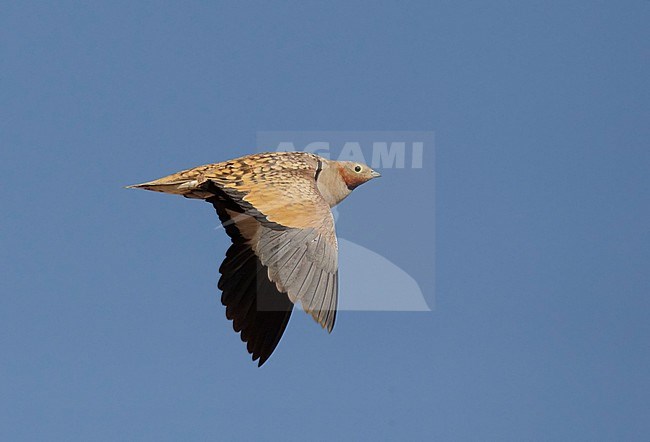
x,y
275,207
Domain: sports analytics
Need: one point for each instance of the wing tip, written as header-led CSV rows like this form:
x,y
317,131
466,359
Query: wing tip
x,y
261,360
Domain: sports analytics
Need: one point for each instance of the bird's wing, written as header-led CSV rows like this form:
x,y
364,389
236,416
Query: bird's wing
x,y
295,238
258,310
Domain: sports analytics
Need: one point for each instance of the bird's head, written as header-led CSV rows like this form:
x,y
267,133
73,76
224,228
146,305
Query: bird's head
x,y
355,174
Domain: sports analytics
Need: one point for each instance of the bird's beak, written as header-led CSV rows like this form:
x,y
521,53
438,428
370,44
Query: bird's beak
x,y
375,174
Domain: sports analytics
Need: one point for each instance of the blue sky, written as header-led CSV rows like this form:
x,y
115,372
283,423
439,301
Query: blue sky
x,y
110,321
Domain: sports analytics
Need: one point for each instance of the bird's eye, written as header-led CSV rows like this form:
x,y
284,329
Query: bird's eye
x,y
357,168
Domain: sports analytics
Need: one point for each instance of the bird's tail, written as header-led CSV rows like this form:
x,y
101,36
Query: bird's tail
x,y
176,184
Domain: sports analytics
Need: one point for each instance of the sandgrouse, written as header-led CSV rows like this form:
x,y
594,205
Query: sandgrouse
x,y
276,209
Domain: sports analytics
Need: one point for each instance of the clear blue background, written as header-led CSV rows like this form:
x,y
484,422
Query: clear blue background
x,y
110,324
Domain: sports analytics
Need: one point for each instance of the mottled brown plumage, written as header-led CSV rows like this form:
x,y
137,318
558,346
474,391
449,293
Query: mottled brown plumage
x,y
276,209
